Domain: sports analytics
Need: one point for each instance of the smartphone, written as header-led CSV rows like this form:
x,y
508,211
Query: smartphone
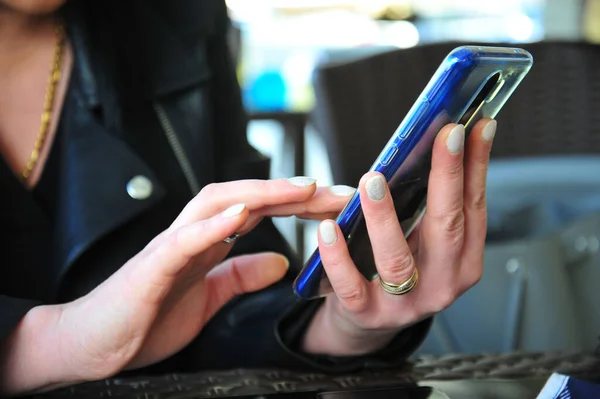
x,y
472,82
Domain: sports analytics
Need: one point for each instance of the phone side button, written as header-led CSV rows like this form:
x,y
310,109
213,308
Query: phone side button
x,y
420,112
389,155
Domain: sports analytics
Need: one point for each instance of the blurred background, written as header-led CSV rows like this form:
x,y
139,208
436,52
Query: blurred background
x,y
283,39
299,65
279,43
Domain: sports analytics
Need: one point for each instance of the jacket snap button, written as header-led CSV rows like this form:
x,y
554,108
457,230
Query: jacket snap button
x,y
139,188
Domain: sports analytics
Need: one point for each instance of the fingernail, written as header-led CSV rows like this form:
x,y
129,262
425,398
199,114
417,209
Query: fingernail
x,y
302,181
489,131
234,210
343,191
328,232
456,139
375,188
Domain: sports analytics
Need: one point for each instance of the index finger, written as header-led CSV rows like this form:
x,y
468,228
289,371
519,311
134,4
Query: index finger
x,y
256,194
326,203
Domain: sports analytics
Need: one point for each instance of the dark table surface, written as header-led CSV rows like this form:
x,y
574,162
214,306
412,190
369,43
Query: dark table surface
x,y
264,382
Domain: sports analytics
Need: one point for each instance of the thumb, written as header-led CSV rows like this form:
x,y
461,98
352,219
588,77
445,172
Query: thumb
x,y
243,274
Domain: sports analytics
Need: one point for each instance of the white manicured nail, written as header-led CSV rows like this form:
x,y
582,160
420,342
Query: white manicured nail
x,y
234,210
489,131
375,188
302,181
328,232
456,140
343,191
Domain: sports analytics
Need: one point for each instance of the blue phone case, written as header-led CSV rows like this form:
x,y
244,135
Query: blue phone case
x,y
457,93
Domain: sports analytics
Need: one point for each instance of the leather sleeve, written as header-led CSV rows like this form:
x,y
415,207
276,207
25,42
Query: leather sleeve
x,y
22,284
264,329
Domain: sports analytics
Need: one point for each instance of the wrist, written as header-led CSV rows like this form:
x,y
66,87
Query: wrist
x,y
31,358
330,333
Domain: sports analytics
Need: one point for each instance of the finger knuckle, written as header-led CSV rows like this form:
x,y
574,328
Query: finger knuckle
x,y
400,266
308,208
405,261
382,221
453,222
479,201
353,296
443,300
333,262
171,244
209,190
455,170
482,162
271,189
268,187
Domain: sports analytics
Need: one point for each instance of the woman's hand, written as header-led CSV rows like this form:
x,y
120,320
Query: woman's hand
x,y
446,249
160,300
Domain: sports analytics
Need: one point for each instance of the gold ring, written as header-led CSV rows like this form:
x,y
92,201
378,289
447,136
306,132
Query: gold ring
x,y
400,289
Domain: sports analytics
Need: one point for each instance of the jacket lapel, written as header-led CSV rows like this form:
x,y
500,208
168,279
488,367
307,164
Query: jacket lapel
x,y
149,46
93,191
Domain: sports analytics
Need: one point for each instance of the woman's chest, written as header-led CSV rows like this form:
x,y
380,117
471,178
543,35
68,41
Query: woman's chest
x,y
31,99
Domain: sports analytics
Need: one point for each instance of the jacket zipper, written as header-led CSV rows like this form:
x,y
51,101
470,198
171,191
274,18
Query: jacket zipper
x,y
175,144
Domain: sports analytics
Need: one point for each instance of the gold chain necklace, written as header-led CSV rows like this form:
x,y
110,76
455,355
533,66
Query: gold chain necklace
x,y
55,75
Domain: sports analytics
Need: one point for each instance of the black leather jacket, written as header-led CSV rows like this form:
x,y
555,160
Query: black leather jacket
x,y
153,94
